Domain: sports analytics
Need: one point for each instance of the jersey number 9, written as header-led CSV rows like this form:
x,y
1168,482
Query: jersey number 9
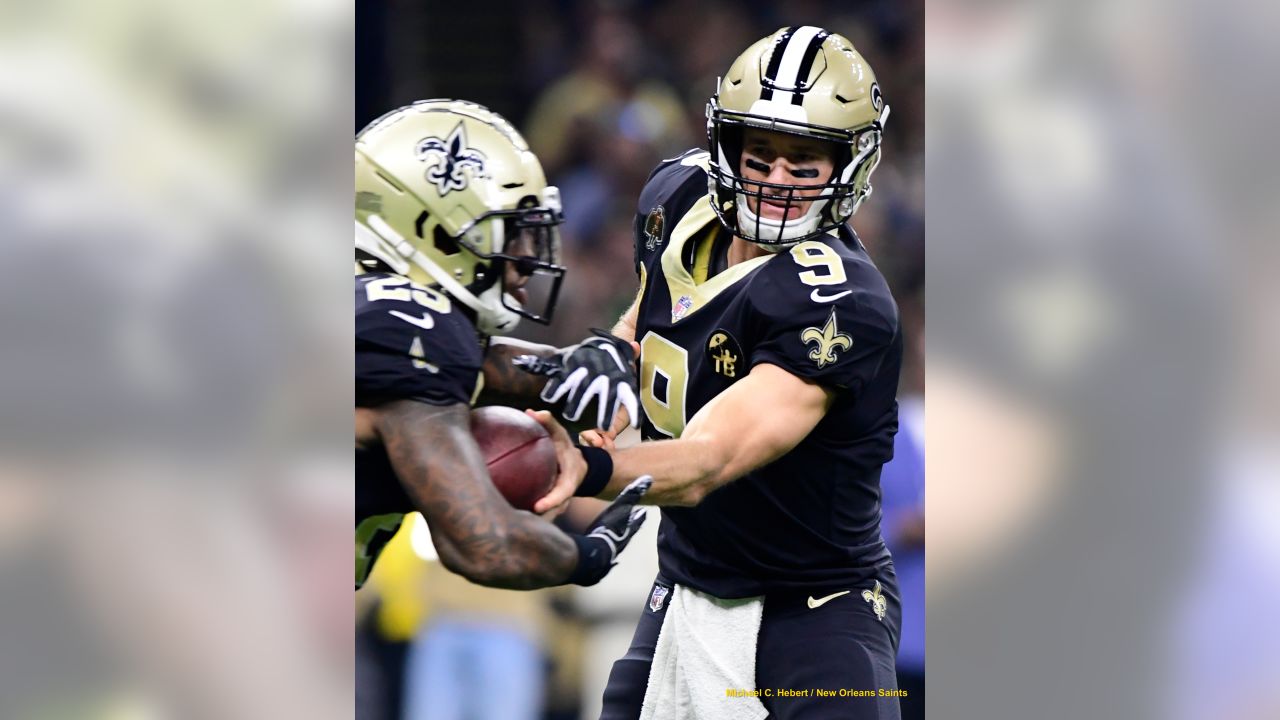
x,y
664,377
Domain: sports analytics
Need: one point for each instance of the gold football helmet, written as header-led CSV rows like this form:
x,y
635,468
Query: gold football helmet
x,y
804,81
449,194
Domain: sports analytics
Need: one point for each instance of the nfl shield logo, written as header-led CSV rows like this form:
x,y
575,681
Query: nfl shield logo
x,y
658,597
681,307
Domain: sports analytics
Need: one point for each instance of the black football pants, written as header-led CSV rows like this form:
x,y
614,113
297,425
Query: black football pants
x,y
840,647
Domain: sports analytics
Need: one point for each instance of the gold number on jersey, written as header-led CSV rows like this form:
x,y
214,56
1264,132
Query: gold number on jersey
x,y
821,257
662,361
390,288
365,533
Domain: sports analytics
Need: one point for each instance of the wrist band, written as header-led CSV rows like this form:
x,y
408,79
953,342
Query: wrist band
x,y
599,471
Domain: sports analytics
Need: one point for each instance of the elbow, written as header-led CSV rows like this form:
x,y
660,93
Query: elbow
x,y
459,562
492,575
481,563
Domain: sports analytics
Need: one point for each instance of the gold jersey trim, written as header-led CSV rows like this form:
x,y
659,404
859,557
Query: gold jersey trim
x,y
680,282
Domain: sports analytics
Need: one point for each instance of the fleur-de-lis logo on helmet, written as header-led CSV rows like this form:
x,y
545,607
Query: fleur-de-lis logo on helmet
x,y
829,339
448,159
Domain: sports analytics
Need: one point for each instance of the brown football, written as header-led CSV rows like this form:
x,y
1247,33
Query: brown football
x,y
518,451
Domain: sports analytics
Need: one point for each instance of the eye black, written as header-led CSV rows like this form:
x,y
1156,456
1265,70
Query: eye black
x,y
757,165
805,172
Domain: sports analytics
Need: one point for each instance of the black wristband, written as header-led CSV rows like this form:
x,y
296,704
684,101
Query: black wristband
x,y
594,561
599,471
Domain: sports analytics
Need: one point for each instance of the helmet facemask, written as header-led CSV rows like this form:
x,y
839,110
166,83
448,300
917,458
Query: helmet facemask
x,y
519,254
856,153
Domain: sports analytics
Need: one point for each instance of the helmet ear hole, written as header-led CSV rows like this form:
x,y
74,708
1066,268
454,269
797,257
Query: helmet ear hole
x,y
445,243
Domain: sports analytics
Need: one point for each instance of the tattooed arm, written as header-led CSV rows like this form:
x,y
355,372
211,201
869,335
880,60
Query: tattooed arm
x,y
506,384
477,534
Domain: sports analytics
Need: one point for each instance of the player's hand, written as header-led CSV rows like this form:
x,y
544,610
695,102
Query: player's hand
x,y
611,532
604,439
599,370
572,467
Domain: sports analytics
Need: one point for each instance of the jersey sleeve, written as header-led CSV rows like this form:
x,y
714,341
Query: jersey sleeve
x,y
837,335
404,351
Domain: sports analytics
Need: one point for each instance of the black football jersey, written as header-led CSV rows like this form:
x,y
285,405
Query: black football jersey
x,y
411,343
820,310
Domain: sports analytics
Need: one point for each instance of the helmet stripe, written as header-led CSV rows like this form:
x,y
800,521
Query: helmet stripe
x,y
775,61
806,64
789,54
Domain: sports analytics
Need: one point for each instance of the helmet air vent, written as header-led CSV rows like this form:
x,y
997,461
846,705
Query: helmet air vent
x,y
446,244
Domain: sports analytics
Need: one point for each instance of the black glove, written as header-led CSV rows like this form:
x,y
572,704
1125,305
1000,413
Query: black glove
x,y
600,369
609,534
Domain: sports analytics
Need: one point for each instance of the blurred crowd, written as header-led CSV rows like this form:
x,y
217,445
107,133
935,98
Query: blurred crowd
x,y
604,91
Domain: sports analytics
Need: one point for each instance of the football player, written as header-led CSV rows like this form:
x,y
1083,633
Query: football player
x,y
770,351
453,216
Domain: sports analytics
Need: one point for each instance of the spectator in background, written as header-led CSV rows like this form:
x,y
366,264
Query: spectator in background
x,y
602,123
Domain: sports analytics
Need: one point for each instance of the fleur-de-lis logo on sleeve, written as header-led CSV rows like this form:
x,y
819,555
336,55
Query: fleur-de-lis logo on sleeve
x,y
448,159
829,340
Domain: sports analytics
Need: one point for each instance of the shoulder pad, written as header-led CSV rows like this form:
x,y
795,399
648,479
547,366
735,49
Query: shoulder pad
x,y
672,188
672,176
819,274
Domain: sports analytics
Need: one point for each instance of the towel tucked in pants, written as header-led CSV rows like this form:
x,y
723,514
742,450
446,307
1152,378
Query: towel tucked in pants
x,y
840,647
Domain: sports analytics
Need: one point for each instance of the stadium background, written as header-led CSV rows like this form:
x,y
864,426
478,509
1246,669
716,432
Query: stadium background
x,y
603,91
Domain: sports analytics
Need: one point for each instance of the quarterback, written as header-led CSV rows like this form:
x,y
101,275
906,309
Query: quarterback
x,y
770,351
453,216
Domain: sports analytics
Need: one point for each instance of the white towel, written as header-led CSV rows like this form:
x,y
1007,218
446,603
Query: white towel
x,y
706,651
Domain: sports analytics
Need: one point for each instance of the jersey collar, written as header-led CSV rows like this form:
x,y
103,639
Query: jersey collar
x,y
679,281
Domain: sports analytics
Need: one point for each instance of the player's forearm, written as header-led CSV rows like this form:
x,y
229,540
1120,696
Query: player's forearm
x,y
475,531
506,384
684,471
478,536
530,553
485,541
726,439
625,328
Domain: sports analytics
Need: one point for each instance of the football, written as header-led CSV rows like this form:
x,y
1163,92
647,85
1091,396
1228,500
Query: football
x,y
518,451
